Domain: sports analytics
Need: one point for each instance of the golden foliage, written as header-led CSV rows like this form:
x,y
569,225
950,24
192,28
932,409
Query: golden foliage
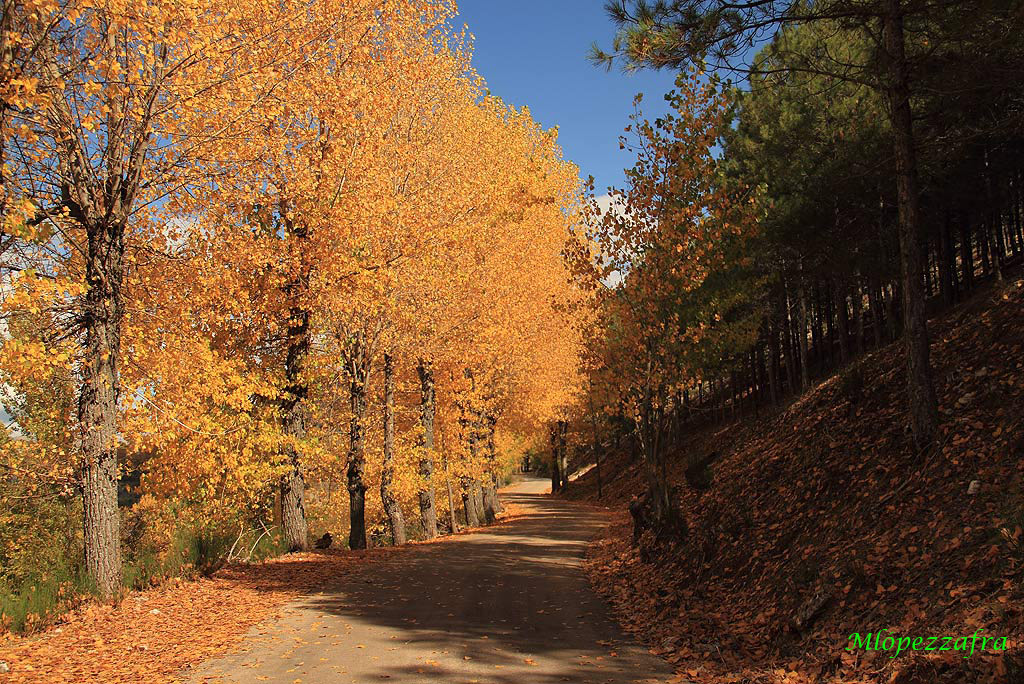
x,y
335,167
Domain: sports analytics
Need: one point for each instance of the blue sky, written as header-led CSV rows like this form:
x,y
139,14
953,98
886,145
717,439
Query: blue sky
x,y
534,53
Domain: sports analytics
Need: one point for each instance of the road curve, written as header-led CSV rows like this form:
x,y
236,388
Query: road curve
x,y
508,605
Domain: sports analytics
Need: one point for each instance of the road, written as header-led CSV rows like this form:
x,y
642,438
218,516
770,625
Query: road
x,y
506,605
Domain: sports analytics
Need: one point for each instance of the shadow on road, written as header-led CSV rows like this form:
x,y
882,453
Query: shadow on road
x,y
506,605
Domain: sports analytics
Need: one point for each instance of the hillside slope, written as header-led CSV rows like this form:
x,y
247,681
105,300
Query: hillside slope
x,y
823,511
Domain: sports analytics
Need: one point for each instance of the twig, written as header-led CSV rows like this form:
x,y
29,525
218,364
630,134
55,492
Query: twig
x,y
241,533
935,450
266,531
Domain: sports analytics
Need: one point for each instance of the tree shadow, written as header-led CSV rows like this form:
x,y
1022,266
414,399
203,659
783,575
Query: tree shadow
x,y
510,604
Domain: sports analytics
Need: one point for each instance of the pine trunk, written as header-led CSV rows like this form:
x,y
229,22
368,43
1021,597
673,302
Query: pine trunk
x,y
1018,238
967,255
792,356
986,261
843,323
999,252
858,320
994,223
947,264
875,299
827,336
773,363
923,404
892,312
817,348
734,391
926,256
801,339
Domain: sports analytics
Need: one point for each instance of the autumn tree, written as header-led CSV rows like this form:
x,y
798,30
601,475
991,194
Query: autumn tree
x,y
220,223
656,258
449,290
95,159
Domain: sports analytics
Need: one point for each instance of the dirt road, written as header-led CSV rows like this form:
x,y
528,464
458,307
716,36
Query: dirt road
x,y
508,605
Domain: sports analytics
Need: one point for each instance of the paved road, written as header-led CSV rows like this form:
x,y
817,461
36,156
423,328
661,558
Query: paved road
x,y
509,605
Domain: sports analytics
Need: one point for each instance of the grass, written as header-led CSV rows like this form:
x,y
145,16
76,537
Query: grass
x,y
36,600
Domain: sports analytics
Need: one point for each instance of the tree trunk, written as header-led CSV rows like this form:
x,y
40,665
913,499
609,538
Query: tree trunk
x,y
473,499
967,254
733,395
489,499
293,489
427,496
293,486
556,475
451,495
792,356
926,255
947,262
892,312
923,404
469,503
478,500
986,260
724,407
359,373
993,223
666,514
999,246
492,448
817,348
1018,238
492,506
801,339
843,323
773,362
387,474
858,319
595,443
875,299
563,453
477,490
828,318
97,405
757,374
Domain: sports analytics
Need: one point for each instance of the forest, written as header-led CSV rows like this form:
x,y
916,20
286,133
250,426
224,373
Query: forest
x,y
288,294
775,231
